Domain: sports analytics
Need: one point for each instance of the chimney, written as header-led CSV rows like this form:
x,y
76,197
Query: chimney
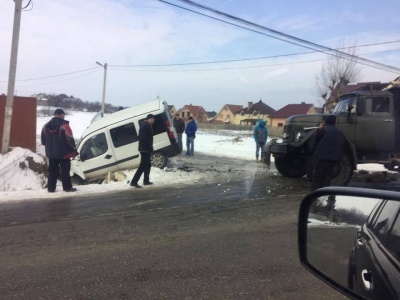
x,y
249,105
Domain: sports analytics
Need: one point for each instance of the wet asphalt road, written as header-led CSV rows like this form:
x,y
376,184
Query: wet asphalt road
x,y
232,235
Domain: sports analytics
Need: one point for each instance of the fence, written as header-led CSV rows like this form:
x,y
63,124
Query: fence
x,y
272,131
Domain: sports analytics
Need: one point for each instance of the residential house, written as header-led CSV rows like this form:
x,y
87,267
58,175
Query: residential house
x,y
172,110
254,112
279,117
196,112
211,115
227,114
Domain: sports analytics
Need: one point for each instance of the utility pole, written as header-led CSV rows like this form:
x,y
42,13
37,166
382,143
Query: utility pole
x,y
104,86
11,78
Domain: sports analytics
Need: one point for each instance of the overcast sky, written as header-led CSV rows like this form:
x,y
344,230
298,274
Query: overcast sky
x,y
68,36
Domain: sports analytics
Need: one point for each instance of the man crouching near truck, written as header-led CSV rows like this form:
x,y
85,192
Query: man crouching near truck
x,y
329,150
145,149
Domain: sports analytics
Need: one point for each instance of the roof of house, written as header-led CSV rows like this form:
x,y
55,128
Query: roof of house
x,y
260,107
291,110
211,114
194,110
375,85
170,107
234,108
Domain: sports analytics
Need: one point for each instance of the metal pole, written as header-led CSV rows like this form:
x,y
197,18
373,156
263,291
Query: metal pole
x,y
11,78
104,88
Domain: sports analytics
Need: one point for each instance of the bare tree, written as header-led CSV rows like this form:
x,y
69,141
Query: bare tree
x,y
336,73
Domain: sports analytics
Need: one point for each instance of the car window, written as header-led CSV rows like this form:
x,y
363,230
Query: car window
x,y
94,146
377,105
158,126
384,220
124,135
393,242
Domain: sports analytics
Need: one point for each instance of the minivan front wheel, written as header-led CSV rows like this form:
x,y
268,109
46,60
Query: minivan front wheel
x,y
159,160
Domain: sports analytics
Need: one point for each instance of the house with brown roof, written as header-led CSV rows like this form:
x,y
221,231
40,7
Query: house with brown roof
x,y
279,117
254,112
198,113
172,110
227,114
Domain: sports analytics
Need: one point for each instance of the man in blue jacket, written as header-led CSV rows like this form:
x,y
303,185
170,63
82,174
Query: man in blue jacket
x,y
190,131
260,137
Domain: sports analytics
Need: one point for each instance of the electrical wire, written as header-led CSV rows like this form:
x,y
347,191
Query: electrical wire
x,y
287,38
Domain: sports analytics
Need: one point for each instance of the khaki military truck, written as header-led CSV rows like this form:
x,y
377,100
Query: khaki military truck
x,y
370,122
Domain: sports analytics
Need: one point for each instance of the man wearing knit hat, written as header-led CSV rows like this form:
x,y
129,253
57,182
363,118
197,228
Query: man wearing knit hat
x,y
145,149
329,151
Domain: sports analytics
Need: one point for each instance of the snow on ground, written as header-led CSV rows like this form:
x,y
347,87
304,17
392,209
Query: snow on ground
x,y
20,183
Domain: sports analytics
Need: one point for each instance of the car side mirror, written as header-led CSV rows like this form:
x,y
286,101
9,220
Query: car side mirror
x,y
339,240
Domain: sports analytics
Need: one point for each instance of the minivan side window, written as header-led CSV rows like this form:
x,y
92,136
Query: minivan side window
x,y
93,147
393,243
158,126
384,221
124,135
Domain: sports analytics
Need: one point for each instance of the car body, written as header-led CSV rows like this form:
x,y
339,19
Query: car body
x,y
110,144
374,261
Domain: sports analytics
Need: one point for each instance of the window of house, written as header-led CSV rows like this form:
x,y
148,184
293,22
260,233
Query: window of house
x,y
228,116
188,114
183,114
280,124
242,113
94,146
124,135
255,113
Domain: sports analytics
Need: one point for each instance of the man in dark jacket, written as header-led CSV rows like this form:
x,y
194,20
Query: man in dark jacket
x,y
179,125
145,149
60,148
329,150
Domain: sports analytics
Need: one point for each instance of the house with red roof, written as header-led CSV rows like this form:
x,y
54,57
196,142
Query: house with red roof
x,y
227,114
253,112
279,117
198,113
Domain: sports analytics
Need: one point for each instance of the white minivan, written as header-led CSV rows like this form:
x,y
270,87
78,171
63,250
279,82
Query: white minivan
x,y
111,143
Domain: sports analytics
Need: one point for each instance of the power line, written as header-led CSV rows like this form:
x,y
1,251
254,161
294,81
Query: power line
x,y
52,76
287,38
249,59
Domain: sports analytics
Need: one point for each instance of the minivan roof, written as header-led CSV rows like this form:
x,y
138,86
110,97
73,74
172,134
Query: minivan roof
x,y
142,109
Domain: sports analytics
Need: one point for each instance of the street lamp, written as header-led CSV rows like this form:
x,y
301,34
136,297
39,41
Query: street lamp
x,y
104,85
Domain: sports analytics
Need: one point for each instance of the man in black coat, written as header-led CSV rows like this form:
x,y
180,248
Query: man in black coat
x,y
60,148
329,151
179,125
145,149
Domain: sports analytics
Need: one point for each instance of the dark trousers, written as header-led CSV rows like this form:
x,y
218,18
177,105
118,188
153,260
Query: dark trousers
x,y
323,174
144,167
54,170
180,142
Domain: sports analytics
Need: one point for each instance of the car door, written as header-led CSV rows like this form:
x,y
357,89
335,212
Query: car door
x,y
372,261
96,156
125,140
376,127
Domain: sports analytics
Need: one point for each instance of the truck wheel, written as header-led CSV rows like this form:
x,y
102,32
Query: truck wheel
x,y
292,168
343,171
159,160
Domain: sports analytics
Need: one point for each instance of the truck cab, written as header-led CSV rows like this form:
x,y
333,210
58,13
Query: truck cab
x,y
369,122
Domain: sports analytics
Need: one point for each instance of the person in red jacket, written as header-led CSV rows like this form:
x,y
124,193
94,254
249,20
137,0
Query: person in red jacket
x,y
60,148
